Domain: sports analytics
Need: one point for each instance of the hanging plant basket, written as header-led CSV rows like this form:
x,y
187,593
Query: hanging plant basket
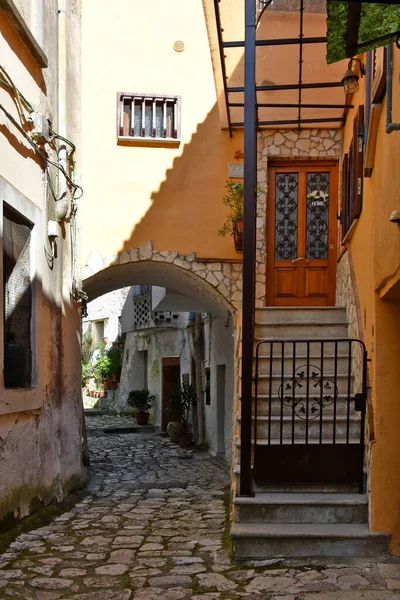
x,y
238,235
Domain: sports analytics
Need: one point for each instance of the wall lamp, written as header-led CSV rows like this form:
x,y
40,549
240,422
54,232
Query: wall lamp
x,y
350,78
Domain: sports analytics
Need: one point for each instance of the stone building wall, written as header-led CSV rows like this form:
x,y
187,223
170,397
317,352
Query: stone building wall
x,y
315,144
225,277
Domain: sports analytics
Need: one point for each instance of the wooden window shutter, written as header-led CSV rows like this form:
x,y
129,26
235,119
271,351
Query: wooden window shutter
x,y
345,213
358,162
378,86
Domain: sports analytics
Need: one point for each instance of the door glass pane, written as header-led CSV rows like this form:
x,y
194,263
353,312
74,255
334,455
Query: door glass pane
x,y
317,215
286,216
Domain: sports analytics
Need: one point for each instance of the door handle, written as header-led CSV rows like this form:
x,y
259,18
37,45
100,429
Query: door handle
x,y
301,258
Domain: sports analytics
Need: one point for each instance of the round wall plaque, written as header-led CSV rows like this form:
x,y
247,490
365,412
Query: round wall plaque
x,y
179,46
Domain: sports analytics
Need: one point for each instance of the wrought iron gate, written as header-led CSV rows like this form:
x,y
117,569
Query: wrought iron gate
x,y
309,411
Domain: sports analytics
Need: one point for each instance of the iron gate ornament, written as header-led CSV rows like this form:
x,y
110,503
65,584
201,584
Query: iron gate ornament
x,y
310,406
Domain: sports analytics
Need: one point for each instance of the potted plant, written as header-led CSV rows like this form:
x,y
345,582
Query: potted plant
x,y
183,397
141,401
115,357
234,200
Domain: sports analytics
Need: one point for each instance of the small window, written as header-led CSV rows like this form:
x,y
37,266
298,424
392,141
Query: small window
x,y
148,117
17,290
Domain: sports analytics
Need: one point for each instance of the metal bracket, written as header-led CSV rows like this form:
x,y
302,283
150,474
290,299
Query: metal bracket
x,y
359,402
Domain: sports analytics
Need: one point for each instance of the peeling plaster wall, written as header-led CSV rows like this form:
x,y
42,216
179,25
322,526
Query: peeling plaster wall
x,y
219,351
40,435
108,308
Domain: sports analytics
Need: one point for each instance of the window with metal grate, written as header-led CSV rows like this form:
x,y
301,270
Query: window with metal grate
x,y
148,116
17,290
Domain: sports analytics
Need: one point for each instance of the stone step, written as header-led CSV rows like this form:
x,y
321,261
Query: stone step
x,y
302,330
328,385
276,402
297,314
271,540
313,428
298,488
302,508
315,362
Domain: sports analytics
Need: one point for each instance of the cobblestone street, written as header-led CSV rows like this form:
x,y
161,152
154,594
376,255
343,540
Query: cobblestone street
x,y
152,526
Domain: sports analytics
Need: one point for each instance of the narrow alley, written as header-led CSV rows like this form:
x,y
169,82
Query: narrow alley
x,y
152,526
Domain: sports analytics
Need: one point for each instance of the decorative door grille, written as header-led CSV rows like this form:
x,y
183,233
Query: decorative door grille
x,y
309,411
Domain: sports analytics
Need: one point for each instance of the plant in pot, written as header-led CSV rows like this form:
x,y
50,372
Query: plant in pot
x,y
115,357
102,369
234,200
141,401
183,397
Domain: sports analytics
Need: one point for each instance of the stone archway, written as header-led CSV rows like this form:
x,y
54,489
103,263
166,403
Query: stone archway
x,y
219,283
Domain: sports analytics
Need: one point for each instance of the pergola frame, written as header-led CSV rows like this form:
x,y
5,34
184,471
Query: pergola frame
x,y
251,124
300,85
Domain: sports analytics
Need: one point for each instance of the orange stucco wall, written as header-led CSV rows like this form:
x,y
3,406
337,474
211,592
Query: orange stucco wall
x,y
133,193
375,249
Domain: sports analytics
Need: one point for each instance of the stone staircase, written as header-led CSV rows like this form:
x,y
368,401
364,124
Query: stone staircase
x,y
284,520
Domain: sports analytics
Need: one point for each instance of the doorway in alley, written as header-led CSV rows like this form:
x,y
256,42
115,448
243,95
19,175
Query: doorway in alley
x,y
171,378
301,233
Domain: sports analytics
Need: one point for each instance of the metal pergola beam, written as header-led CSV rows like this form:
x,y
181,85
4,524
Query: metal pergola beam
x,y
223,65
249,244
278,42
292,122
288,105
288,86
353,26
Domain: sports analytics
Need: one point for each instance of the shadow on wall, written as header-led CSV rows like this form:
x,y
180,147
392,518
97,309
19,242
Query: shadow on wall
x,y
41,404
187,211
188,205
8,33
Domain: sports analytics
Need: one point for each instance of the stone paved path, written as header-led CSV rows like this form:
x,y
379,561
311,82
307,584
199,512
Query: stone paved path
x,y
151,528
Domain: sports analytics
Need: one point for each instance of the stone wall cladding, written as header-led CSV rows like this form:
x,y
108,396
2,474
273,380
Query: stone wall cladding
x,y
225,277
315,144
345,294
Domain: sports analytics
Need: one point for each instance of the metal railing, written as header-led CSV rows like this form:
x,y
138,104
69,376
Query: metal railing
x,y
310,395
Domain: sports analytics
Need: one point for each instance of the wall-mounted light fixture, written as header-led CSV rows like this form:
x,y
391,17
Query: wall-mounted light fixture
x,y
350,78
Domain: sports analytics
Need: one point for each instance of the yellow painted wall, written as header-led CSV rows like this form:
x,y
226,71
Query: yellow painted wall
x,y
375,248
134,193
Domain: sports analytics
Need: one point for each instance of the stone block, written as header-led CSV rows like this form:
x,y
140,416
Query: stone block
x,y
184,264
303,144
171,257
134,254
123,258
290,135
146,250
278,139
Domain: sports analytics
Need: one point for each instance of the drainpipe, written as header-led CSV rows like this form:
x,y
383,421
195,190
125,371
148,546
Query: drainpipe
x,y
389,92
62,205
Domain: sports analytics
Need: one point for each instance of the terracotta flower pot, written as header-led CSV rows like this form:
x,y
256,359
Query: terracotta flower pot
x,y
175,430
238,235
142,418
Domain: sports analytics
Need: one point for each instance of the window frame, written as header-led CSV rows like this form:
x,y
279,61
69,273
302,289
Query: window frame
x,y
14,400
353,176
149,139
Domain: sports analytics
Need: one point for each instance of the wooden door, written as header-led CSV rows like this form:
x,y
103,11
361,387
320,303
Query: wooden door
x,y
301,234
171,378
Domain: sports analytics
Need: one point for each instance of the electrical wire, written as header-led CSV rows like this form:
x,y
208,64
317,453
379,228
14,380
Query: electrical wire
x,y
77,293
16,96
264,8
